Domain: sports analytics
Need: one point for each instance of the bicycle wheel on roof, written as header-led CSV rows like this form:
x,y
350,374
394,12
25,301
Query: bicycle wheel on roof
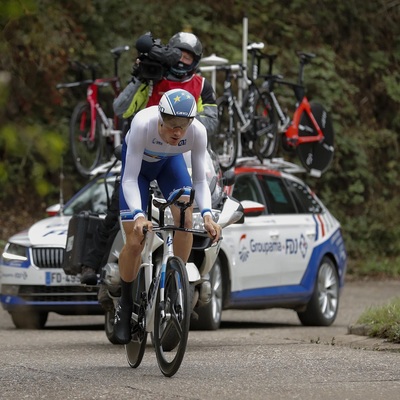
x,y
265,127
86,150
224,142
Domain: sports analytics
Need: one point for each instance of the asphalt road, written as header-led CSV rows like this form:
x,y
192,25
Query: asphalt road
x,y
262,354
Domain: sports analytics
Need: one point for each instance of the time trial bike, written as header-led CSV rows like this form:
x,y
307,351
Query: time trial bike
x,y
162,293
310,131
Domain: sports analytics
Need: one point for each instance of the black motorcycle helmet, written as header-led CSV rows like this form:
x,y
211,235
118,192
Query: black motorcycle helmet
x,y
188,42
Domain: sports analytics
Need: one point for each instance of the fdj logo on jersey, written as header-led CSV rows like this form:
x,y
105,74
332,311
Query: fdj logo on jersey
x,y
182,142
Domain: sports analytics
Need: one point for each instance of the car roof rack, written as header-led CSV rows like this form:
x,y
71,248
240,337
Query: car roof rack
x,y
276,163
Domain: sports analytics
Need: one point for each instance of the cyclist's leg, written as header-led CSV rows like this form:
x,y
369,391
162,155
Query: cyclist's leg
x,y
129,261
183,241
173,176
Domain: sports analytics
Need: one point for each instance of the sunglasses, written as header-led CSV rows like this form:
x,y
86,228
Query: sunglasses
x,y
177,123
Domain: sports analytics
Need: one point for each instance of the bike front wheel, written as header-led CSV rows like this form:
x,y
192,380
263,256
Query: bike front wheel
x,y
172,318
86,150
225,140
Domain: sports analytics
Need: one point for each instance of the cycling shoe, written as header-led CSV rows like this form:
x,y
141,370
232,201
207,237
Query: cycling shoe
x,y
122,323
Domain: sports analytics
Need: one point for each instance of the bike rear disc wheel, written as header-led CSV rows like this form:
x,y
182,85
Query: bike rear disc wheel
x,y
265,127
175,322
316,156
86,152
224,142
135,349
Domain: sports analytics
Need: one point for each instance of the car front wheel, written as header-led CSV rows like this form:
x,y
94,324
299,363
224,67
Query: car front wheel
x,y
210,314
324,304
29,319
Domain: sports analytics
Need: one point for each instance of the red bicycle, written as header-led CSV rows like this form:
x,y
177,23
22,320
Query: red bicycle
x,y
310,132
92,135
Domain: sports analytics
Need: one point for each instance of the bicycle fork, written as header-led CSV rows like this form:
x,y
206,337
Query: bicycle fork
x,y
168,252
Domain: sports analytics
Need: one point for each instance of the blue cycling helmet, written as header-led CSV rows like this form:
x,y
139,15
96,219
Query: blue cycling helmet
x,y
178,103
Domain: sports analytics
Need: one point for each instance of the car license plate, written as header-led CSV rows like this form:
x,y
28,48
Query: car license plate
x,y
61,279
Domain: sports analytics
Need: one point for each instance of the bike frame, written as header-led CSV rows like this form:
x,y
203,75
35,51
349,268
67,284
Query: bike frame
x,y
95,108
234,107
303,106
292,133
152,242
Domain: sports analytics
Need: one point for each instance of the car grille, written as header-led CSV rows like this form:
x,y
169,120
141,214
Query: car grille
x,y
48,257
57,293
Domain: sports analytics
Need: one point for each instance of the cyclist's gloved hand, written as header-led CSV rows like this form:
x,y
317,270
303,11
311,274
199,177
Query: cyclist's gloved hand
x,y
140,226
213,229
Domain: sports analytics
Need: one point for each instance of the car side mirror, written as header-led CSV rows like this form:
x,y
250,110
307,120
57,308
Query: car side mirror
x,y
252,208
53,210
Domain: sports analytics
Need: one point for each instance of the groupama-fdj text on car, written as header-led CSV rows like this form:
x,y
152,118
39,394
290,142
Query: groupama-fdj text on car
x,y
288,252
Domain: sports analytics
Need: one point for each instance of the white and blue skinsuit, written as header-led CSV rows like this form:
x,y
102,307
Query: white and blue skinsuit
x,y
145,157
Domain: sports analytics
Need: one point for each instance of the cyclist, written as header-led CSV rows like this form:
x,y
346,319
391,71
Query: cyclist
x,y
135,96
153,149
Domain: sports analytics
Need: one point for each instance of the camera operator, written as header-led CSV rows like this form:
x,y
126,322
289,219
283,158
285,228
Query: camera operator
x,y
158,69
163,68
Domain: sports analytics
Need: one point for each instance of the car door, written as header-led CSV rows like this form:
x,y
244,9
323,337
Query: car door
x,y
295,227
256,246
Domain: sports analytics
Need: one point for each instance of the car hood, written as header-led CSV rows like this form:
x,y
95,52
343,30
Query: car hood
x,y
50,232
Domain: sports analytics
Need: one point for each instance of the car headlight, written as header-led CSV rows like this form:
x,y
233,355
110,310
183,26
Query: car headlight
x,y
15,252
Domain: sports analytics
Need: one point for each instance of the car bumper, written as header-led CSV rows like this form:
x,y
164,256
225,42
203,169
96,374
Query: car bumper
x,y
46,290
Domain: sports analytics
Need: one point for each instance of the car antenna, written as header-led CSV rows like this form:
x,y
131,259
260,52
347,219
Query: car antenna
x,y
61,187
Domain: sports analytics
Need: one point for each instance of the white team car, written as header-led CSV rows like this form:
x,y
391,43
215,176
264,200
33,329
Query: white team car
x,y
289,252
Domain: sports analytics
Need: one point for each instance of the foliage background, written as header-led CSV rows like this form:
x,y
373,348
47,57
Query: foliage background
x,y
356,76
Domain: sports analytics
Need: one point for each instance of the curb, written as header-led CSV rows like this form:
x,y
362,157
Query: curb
x,y
358,337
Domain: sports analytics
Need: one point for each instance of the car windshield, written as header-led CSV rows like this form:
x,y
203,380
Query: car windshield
x,y
92,198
